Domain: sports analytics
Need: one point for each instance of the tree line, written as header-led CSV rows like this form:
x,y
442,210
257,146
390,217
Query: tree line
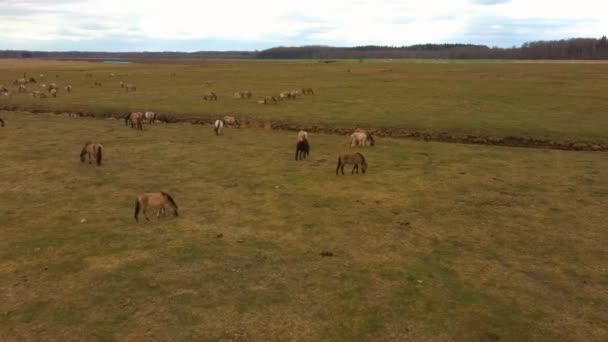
x,y
576,48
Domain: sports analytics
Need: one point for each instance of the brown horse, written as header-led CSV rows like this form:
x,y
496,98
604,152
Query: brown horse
x,y
355,159
210,96
306,91
136,119
154,200
269,99
302,149
91,150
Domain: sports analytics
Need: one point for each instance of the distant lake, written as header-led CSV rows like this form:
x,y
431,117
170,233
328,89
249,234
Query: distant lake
x,y
116,62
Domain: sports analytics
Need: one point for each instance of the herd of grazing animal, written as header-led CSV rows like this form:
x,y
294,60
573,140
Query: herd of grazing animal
x,y
161,200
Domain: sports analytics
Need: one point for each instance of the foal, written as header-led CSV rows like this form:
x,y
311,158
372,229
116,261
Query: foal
x,y
154,200
353,159
91,149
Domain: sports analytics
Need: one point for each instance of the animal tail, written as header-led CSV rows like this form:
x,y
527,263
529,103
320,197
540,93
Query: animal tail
x,y
339,164
170,199
99,153
136,209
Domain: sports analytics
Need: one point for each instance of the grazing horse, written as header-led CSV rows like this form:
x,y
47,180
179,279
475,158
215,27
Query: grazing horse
x,y
1,122
38,93
52,86
231,121
218,127
53,92
22,88
154,200
362,138
210,96
32,80
150,116
3,89
302,149
307,91
91,149
353,159
137,119
269,99
243,94
68,88
20,81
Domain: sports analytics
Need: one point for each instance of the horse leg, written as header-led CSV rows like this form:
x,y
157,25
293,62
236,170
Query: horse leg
x,y
343,169
144,212
90,161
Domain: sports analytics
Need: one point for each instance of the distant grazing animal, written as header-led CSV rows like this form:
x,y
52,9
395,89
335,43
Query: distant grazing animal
x,y
127,118
293,94
122,84
53,92
22,88
162,118
91,150
302,149
362,138
3,89
44,86
32,80
243,94
210,96
154,200
53,86
136,120
284,95
1,122
150,116
130,87
231,121
97,84
307,91
38,93
68,88
218,127
353,159
41,75
269,99
20,81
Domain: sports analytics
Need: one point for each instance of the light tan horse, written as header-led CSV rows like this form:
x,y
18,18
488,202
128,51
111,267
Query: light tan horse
x,y
150,116
136,119
355,159
91,150
53,92
22,88
362,137
302,135
157,200
269,99
218,127
231,121
243,94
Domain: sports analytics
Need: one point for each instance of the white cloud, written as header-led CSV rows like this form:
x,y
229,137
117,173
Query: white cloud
x,y
27,23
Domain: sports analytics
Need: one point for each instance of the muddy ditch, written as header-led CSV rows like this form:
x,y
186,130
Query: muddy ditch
x,y
461,138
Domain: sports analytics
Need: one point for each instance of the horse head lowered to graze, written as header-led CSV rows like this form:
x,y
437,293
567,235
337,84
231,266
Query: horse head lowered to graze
x,y
92,150
231,121
210,96
218,127
362,137
356,159
157,200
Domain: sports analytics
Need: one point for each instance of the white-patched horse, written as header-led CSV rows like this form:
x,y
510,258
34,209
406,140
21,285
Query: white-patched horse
x,y
218,127
362,138
150,116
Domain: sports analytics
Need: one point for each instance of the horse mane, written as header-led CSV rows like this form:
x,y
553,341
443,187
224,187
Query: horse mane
x,y
168,197
99,153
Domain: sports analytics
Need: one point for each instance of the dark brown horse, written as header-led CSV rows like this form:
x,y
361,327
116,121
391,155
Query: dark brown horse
x,y
154,200
302,149
355,159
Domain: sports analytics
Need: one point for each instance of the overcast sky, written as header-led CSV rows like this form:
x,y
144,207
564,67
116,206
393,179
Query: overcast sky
x,y
194,25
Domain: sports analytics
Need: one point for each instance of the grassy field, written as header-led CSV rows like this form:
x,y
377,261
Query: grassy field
x,y
438,242
545,101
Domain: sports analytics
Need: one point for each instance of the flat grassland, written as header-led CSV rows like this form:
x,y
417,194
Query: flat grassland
x,y
564,102
436,242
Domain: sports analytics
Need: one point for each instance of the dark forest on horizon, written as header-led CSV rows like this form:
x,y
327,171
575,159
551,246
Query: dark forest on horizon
x,y
575,48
